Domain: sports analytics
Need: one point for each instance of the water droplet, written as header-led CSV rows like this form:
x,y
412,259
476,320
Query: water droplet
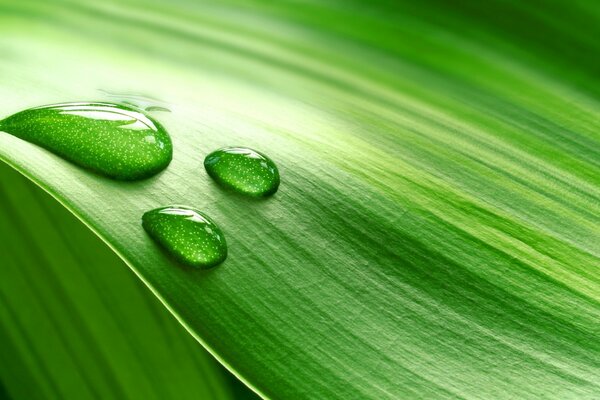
x,y
244,170
157,108
187,234
141,101
115,140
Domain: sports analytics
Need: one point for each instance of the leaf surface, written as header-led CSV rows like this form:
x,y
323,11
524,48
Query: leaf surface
x,y
435,233
76,323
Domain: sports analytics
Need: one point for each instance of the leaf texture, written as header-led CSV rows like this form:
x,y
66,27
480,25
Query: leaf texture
x,y
435,234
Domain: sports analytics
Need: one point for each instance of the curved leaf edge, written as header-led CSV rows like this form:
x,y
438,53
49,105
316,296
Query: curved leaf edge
x,y
64,203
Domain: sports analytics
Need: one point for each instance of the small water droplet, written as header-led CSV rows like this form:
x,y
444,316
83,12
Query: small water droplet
x,y
244,170
141,101
157,108
118,141
187,234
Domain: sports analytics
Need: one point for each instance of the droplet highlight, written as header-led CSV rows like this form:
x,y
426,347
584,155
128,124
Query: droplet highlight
x,y
243,170
115,140
187,234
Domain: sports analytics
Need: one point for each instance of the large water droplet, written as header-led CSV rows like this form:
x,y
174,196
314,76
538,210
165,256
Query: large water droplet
x,y
244,170
115,140
187,234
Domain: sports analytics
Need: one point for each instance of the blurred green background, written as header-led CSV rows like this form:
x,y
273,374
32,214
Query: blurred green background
x,y
76,323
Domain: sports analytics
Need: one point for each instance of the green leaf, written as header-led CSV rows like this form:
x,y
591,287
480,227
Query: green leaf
x,y
435,233
75,322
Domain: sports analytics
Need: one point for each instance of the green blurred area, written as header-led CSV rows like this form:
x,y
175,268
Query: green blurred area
x,y
75,323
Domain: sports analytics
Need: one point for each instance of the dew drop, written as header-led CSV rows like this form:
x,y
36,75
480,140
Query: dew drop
x,y
157,108
114,140
244,170
141,101
189,235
